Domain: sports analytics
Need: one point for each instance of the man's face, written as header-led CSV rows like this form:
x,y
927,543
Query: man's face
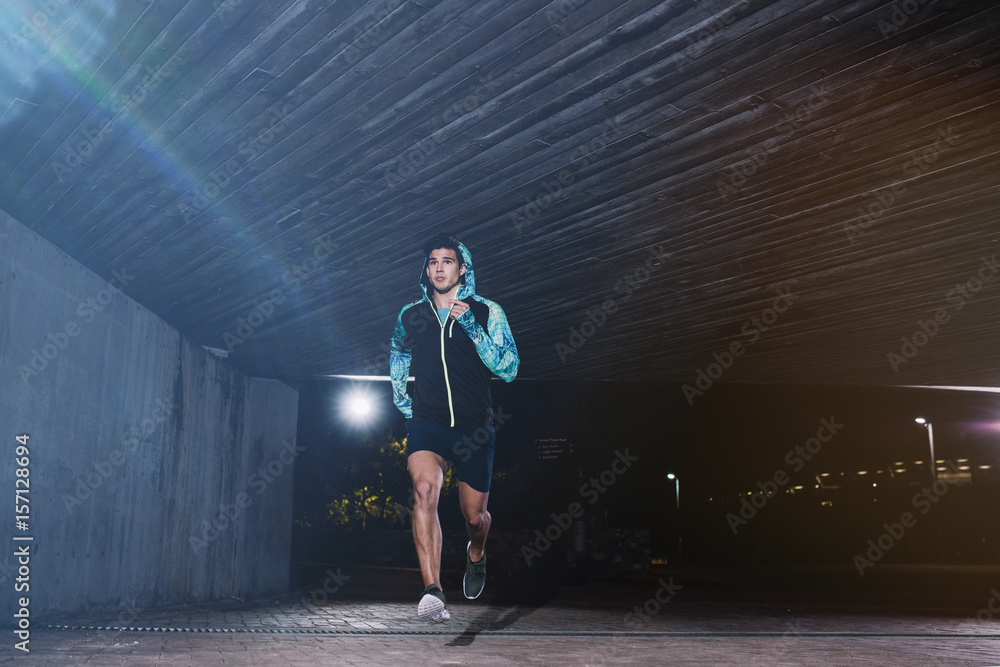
x,y
443,270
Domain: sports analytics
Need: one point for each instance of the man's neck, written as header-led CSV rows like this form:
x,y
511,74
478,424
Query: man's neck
x,y
441,300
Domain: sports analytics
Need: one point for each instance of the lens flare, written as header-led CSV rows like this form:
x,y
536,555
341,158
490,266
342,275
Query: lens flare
x,y
358,407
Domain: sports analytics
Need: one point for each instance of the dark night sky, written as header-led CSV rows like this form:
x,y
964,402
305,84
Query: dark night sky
x,y
732,434
732,437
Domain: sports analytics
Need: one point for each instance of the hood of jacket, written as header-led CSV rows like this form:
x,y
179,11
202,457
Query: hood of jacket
x,y
468,286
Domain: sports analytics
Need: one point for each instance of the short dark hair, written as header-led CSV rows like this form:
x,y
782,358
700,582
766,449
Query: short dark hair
x,y
442,240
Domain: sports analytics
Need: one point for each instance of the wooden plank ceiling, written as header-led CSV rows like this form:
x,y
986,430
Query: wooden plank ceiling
x,y
679,162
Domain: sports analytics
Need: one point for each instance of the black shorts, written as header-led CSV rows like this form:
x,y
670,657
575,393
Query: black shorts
x,y
467,448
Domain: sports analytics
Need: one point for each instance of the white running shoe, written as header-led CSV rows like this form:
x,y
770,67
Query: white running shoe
x,y
431,607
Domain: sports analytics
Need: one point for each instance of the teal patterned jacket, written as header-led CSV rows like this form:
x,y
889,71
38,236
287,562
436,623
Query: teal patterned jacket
x,y
451,366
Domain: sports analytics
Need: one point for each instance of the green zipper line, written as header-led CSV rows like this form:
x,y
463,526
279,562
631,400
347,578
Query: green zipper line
x,y
447,384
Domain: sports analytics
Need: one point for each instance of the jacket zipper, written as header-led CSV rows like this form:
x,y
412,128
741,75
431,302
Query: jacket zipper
x,y
444,364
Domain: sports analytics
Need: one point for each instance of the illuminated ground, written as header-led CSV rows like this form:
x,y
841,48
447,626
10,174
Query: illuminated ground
x,y
895,615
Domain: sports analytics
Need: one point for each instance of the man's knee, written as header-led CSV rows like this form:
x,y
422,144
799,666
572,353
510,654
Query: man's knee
x,y
477,519
425,494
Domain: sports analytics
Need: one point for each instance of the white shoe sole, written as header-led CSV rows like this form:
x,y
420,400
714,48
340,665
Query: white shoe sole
x,y
432,609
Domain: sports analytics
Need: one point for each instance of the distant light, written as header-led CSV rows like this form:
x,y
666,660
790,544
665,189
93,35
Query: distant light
x,y
874,484
862,472
671,475
358,406
984,467
920,420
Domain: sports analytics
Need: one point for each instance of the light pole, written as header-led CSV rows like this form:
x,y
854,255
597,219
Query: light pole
x,y
677,487
930,440
677,493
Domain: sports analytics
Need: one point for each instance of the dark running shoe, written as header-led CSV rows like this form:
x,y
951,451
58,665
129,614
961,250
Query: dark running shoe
x,y
475,575
431,607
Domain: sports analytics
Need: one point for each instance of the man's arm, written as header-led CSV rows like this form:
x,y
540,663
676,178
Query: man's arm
x,y
496,346
399,368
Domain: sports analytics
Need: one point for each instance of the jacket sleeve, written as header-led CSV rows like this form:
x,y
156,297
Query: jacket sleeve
x,y
399,368
496,345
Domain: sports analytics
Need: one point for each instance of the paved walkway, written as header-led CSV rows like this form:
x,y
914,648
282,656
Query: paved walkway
x,y
905,616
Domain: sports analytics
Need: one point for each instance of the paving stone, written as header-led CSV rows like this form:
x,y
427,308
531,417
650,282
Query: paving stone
x,y
809,616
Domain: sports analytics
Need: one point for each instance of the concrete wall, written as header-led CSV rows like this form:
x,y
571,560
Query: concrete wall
x,y
158,474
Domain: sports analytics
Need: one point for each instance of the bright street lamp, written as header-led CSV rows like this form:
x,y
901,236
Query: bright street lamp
x,y
677,490
677,487
358,406
930,439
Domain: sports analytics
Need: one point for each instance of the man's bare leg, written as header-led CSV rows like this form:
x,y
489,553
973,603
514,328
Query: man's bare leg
x,y
477,518
427,473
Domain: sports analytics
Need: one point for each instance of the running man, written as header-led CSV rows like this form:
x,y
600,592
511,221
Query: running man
x,y
450,415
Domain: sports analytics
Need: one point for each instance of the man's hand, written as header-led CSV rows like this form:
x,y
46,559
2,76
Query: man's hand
x,y
458,308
